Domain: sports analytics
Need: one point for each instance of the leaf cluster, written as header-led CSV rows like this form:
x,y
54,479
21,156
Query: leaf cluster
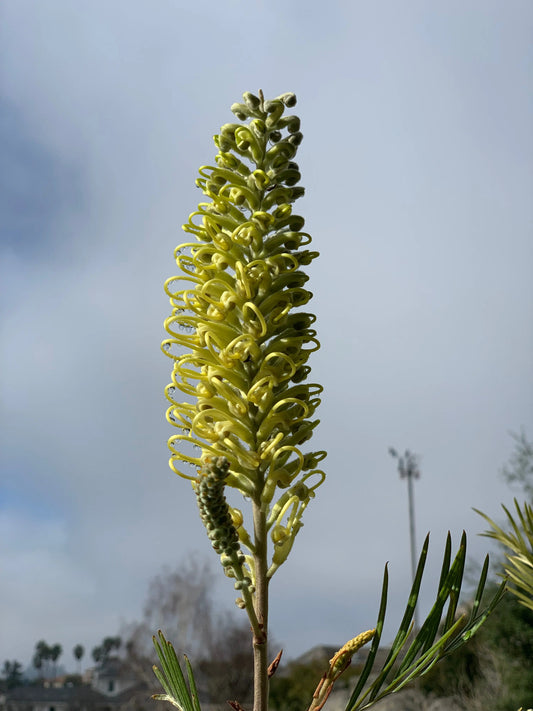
x,y
495,669
442,633
178,692
519,540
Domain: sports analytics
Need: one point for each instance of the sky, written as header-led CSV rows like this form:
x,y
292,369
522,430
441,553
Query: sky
x,y
418,165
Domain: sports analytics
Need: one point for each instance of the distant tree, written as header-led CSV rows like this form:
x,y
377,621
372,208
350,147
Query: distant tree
x,y
111,643
41,657
179,602
38,663
42,649
102,652
45,657
55,652
519,469
78,653
12,673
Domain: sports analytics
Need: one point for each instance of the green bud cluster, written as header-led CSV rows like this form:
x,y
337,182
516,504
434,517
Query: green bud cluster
x,y
217,519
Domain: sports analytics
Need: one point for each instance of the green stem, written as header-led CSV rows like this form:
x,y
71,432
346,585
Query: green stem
x,y
261,610
250,609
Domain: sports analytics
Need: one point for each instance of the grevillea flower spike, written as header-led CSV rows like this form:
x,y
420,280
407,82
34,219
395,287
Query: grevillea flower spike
x,y
238,337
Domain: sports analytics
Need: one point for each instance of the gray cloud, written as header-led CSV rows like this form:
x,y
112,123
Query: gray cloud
x,y
417,164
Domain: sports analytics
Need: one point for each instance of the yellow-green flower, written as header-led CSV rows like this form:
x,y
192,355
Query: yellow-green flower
x,y
239,340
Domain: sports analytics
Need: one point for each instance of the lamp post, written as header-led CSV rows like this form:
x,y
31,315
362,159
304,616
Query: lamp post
x,y
408,469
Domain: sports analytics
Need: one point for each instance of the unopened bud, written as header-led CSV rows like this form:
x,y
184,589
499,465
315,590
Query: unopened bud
x,y
345,653
252,101
289,99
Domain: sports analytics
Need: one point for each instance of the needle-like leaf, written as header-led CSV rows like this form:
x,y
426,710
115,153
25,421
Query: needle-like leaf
x,y
433,641
171,677
519,541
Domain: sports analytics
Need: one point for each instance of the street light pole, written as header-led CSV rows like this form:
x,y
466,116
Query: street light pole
x,y
408,469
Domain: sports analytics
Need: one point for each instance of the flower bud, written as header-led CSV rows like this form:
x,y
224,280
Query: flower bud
x,y
289,99
253,102
240,111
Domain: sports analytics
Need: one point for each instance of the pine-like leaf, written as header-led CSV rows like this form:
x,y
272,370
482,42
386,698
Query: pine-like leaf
x,y
171,677
410,658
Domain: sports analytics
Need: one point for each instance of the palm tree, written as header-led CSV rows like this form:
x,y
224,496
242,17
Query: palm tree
x,y
55,652
97,654
41,655
38,664
78,653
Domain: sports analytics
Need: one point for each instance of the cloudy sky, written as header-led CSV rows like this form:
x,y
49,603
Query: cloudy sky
x,y
418,166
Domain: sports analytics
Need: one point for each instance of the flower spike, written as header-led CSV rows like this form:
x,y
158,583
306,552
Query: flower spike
x,y
237,335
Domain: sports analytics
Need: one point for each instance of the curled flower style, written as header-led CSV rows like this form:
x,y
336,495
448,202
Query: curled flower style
x,y
237,335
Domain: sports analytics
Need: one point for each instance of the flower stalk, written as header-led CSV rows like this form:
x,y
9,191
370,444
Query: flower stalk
x,y
240,343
